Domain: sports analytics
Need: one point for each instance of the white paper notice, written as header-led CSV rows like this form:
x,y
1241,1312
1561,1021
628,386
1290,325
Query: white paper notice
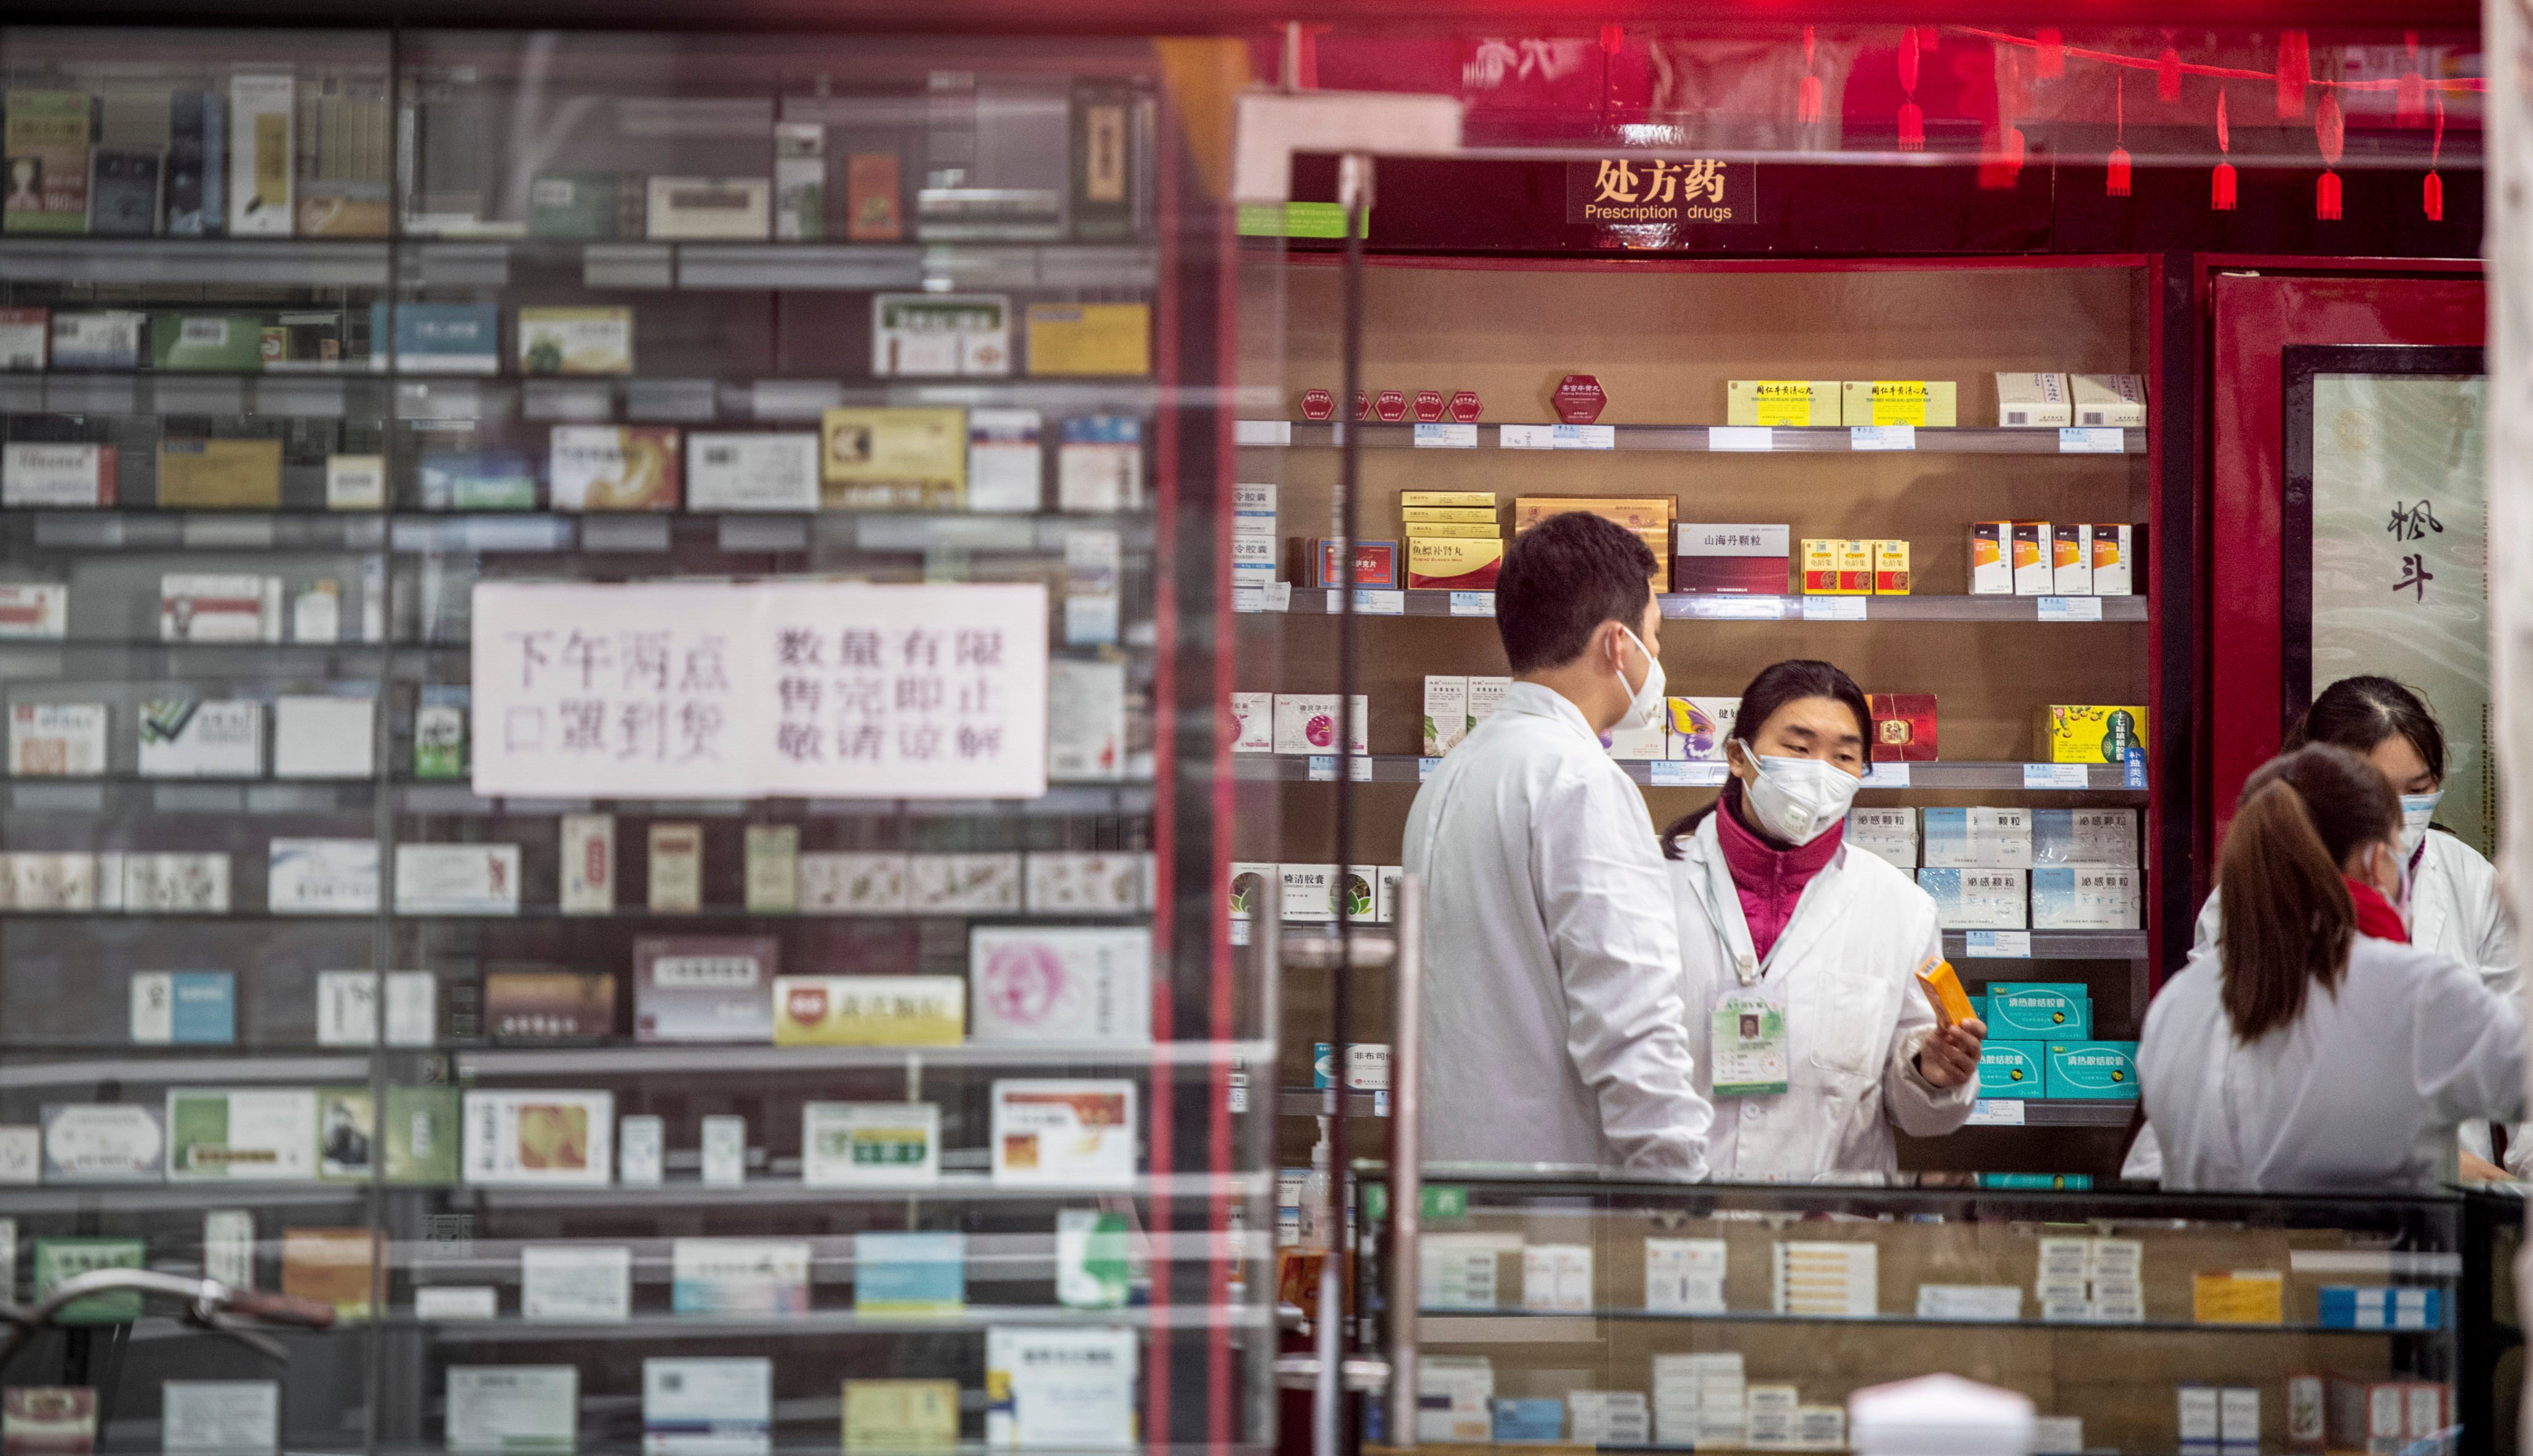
x,y
219,1418
577,1283
724,690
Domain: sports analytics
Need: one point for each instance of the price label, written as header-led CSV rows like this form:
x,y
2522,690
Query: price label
x,y
1741,438
1446,437
1686,773
2055,776
1379,601
1359,768
1380,1102
1882,438
2071,608
1886,775
1996,1112
1733,608
1834,608
1997,945
1323,768
1426,768
1584,436
1261,431
1473,603
1526,437
2092,440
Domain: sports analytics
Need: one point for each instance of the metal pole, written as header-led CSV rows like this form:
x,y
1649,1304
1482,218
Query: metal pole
x,y
1406,1154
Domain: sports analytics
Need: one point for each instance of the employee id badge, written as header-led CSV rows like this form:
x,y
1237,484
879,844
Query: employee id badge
x,y
1749,1046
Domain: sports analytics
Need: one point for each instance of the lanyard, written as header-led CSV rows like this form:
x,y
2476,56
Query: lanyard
x,y
2411,881
1717,882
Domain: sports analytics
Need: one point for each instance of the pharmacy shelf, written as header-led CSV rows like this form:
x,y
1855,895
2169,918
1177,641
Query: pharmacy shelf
x,y
1322,1102
1059,800
647,1325
143,529
1373,601
2067,1113
176,1065
1781,439
1387,768
482,263
653,1057
1543,1326
166,1197
950,1187
2050,945
125,794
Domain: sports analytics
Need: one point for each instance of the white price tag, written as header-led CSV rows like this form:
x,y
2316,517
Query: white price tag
x,y
1996,1112
1741,438
1426,768
1279,596
1359,768
2092,440
1882,438
1261,431
1379,601
1834,608
1585,436
1996,945
1886,775
2053,776
1380,1095
1737,609
1686,773
1526,437
1323,768
1249,598
2071,608
1446,437
1473,603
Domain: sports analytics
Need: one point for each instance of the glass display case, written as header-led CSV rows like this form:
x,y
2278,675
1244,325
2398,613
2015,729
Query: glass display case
x,y
612,660
1562,1308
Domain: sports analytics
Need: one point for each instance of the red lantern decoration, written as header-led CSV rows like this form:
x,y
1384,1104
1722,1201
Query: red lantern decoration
x,y
2220,186
2167,75
2410,98
2295,73
1913,122
2328,129
2432,193
2115,182
1807,94
2049,54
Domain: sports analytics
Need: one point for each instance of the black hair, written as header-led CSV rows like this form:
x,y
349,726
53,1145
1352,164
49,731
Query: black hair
x,y
1778,684
2358,712
1561,580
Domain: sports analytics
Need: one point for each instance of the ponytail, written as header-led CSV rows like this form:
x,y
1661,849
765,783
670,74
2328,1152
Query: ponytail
x,y
2288,919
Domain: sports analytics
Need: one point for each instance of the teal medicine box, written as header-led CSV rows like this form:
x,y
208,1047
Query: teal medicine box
x,y
2101,1070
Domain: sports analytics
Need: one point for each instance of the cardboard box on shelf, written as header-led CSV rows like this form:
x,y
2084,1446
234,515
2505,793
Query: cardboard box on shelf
x,y
1730,559
2032,401
1794,402
1920,402
2036,566
2077,733
1992,558
1903,727
2108,399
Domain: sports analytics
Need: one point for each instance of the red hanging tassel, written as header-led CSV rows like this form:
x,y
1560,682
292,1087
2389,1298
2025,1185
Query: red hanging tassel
x,y
2431,194
1913,122
1909,60
2221,186
2295,72
2410,98
2115,182
2167,76
2329,132
1807,99
2049,58
1612,39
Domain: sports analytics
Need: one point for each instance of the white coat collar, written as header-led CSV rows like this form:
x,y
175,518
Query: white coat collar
x,y
1541,701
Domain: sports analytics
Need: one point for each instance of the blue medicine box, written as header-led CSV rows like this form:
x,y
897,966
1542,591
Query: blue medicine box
x,y
1529,1418
2100,1071
2011,1069
2039,1010
2375,1307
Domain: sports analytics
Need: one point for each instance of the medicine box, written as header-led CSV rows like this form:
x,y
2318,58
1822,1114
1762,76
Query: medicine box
x,y
1796,402
1856,568
2039,1010
1306,723
1977,899
1446,714
1992,558
2036,572
2009,1069
1730,559
1252,722
1454,562
2096,1070
1890,568
2369,1307
2084,836
1309,891
2090,732
2072,555
2114,561
2108,399
2084,897
1376,563
1918,403
1820,566
1978,838
2032,401
1700,727
1890,835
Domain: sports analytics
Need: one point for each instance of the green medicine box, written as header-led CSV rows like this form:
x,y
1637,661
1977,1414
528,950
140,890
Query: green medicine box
x,y
2012,1069
2097,1071
2039,1010
215,341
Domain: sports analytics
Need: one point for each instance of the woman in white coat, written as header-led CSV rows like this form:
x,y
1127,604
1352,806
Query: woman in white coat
x,y
2448,893
2311,1048
1800,954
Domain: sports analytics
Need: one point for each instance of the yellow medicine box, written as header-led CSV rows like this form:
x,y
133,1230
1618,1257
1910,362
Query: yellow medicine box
x,y
1418,515
1856,568
1461,499
2083,732
1928,402
1472,529
1820,566
1454,562
1781,402
1891,568
1638,513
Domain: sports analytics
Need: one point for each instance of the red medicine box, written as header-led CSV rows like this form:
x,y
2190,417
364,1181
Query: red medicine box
x,y
1429,406
1376,563
1903,726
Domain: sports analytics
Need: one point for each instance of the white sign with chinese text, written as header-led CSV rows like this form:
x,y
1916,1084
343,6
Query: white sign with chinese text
x,y
726,689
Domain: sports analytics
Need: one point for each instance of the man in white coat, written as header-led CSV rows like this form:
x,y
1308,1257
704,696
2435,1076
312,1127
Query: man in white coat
x,y
1553,1013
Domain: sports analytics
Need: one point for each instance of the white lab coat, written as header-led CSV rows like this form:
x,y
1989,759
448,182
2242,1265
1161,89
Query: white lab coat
x,y
1844,971
2453,911
1552,1004
2363,1091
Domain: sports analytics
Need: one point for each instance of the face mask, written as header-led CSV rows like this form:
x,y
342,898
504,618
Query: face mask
x,y
1797,799
2417,809
1645,703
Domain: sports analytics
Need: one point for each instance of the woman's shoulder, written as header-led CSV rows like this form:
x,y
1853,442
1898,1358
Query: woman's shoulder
x,y
2459,861
2404,972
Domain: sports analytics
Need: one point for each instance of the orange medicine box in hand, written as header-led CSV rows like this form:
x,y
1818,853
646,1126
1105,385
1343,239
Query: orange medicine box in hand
x,y
1943,988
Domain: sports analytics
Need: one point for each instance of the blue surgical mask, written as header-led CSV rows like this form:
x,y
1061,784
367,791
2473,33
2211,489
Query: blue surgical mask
x,y
2417,811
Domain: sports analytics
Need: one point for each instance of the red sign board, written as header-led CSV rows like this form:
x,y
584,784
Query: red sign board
x,y
1318,404
1580,399
1429,406
1392,405
1465,407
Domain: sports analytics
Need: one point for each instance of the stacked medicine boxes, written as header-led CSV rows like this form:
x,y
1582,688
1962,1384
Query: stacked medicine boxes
x,y
1452,540
1649,516
1253,537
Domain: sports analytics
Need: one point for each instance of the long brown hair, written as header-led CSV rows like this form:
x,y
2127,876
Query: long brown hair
x,y
2288,918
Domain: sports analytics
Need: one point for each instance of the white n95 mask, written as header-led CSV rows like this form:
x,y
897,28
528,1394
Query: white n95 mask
x,y
2418,810
1797,799
1645,703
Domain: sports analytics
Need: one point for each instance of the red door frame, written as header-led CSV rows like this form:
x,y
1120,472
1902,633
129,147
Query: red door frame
x,y
2249,320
